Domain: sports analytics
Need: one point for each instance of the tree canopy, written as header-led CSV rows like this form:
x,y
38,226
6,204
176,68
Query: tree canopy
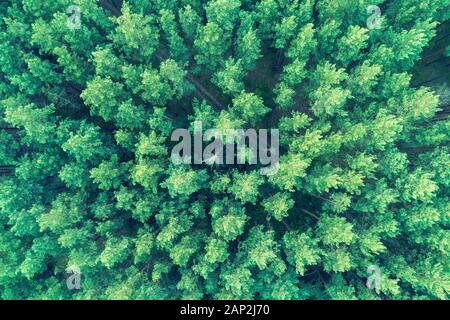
x,y
89,97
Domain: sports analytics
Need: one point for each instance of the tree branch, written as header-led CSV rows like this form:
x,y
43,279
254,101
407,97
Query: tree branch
x,y
310,214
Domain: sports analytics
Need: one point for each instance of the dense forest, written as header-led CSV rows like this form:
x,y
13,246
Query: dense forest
x,y
92,207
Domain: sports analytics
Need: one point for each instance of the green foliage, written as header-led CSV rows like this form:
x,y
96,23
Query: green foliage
x,y
302,250
86,178
135,34
278,205
245,186
334,230
230,78
230,224
184,182
116,251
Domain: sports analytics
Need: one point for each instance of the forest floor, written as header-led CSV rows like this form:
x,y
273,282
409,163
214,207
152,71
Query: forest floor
x,y
433,70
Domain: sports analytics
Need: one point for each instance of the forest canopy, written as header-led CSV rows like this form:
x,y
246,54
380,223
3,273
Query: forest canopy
x,y
91,91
